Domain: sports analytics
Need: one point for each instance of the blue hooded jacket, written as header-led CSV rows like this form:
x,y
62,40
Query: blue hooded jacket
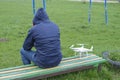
x,y
45,37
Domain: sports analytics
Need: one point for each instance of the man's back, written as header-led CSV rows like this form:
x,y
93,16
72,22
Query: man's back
x,y
47,43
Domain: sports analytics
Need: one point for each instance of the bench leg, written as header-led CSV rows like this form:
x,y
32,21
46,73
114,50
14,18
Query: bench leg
x,y
99,68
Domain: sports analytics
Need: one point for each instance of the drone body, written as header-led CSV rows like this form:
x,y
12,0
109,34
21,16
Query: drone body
x,y
81,50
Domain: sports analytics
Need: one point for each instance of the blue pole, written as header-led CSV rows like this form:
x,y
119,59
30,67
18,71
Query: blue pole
x,y
106,13
89,11
33,5
44,4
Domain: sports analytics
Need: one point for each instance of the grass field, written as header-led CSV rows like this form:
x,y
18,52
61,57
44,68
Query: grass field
x,y
16,19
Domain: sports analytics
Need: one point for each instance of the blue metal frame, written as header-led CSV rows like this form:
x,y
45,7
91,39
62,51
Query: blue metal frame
x,y
44,4
34,8
89,11
106,12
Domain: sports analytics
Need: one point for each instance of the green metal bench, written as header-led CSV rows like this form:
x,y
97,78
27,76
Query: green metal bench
x,y
70,64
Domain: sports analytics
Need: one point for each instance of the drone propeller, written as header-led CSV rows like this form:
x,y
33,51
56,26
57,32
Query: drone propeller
x,y
81,44
71,46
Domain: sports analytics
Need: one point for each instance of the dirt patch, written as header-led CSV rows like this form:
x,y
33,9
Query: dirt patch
x,y
3,40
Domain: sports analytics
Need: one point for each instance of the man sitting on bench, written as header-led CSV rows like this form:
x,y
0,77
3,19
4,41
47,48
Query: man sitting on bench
x,y
45,37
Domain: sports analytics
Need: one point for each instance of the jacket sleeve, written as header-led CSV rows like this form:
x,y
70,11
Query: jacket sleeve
x,y
29,42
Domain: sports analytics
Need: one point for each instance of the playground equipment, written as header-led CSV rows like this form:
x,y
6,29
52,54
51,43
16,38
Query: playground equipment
x,y
34,6
89,11
105,7
67,65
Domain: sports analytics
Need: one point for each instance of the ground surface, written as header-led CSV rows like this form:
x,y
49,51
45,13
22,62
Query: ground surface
x,y
72,19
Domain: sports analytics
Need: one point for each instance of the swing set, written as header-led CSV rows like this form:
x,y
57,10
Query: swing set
x,y
89,10
34,6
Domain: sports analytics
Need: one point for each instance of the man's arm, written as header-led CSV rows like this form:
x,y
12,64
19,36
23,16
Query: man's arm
x,y
29,42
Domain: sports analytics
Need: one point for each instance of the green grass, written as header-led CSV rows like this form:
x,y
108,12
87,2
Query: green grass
x,y
16,18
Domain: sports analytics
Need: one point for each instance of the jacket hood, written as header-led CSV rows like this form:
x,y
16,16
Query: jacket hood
x,y
40,16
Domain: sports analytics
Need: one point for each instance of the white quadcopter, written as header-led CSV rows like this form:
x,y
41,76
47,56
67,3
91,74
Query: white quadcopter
x,y
81,50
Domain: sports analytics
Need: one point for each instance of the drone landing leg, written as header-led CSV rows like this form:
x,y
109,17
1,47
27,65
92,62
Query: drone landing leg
x,y
86,53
